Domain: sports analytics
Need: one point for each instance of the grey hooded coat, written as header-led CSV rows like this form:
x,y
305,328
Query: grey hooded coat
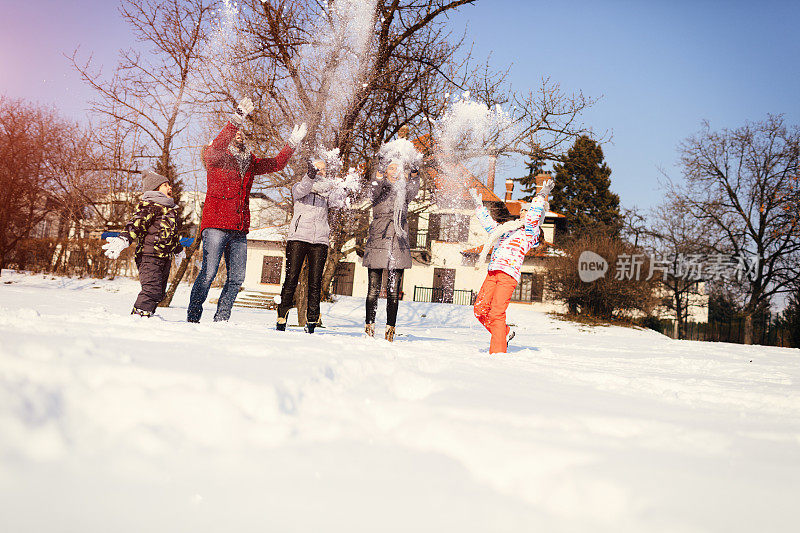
x,y
385,248
310,219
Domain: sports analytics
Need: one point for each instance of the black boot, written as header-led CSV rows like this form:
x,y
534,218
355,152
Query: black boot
x,y
140,312
310,327
281,325
511,334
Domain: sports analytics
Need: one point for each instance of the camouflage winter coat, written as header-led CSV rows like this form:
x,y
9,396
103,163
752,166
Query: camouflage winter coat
x,y
154,227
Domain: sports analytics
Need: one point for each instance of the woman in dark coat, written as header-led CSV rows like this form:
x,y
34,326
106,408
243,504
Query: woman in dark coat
x,y
387,248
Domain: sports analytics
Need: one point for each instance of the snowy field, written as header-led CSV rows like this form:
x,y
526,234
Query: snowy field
x,y
111,423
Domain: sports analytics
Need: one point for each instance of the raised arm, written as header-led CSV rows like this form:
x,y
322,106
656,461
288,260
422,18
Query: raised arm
x,y
265,165
224,138
485,219
536,213
533,220
482,213
376,188
219,145
302,188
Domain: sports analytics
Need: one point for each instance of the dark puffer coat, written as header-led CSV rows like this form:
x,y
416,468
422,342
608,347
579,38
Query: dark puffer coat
x,y
154,227
384,247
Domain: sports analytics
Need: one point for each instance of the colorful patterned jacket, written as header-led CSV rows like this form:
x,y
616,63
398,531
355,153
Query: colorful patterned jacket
x,y
509,253
154,227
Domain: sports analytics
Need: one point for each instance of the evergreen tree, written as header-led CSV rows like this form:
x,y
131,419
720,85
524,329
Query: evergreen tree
x,y
582,193
535,167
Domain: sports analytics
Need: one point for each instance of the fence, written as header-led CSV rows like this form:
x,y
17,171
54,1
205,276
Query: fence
x,y
444,295
767,334
73,257
84,257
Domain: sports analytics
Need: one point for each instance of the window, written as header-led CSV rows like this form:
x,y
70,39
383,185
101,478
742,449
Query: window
x,y
416,237
449,227
271,269
529,289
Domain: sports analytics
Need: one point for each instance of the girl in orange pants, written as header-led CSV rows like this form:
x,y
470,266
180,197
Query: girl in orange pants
x,y
509,243
490,307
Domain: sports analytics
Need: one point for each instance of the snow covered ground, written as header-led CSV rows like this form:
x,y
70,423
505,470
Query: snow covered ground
x,y
115,423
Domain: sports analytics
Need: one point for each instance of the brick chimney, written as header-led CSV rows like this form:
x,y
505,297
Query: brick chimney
x,y
540,179
509,189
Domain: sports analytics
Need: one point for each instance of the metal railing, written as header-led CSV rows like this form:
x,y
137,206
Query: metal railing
x,y
444,295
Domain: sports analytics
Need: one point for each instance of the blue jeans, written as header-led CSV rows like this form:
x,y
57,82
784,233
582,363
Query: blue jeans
x,y
217,243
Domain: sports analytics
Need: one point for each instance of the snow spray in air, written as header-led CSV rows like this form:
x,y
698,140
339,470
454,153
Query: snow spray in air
x,y
218,53
217,56
336,58
468,135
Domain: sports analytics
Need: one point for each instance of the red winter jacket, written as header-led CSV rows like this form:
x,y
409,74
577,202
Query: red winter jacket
x,y
227,203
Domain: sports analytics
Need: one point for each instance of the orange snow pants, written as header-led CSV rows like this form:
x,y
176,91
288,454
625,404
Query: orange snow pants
x,y
491,304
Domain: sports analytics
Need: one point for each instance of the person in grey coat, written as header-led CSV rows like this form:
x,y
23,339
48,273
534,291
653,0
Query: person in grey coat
x,y
388,248
308,238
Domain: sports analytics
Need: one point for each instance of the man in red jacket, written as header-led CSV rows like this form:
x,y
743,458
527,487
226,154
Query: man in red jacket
x,y
226,213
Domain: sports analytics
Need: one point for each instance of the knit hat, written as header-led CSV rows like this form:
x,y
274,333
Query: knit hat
x,y
152,181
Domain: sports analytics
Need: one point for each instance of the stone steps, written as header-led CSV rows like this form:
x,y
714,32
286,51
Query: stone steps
x,y
253,300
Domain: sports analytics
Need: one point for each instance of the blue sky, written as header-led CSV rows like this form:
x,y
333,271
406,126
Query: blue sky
x,y
659,68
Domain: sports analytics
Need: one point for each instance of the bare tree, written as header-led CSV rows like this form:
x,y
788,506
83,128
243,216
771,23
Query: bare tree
x,y
742,185
395,80
673,237
39,150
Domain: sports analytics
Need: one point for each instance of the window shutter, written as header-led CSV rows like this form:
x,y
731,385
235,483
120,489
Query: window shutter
x,y
433,226
413,223
343,278
463,228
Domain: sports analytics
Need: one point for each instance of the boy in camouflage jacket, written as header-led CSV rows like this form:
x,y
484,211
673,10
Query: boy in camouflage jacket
x,y
154,227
